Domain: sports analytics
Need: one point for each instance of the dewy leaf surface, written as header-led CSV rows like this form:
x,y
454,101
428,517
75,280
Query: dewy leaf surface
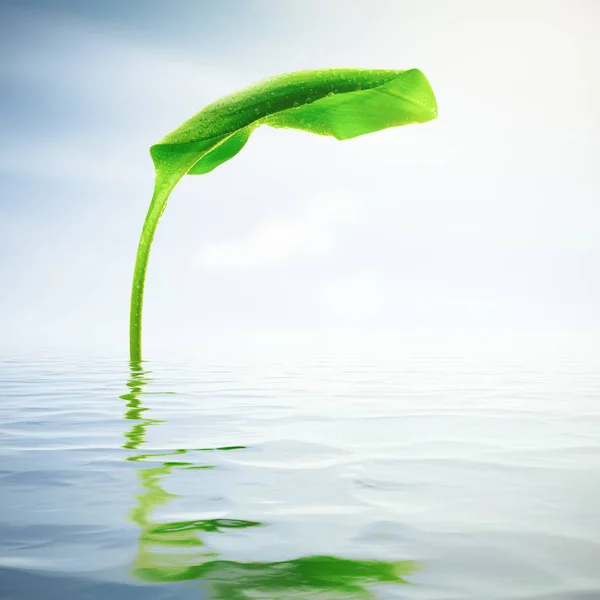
x,y
343,103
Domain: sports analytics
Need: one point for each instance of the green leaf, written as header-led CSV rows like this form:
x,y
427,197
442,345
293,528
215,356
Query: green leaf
x,y
343,103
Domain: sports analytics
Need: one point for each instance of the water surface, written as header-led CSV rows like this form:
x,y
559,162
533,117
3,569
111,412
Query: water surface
x,y
431,478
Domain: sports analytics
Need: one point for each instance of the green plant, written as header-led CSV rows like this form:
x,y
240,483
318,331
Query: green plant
x,y
343,103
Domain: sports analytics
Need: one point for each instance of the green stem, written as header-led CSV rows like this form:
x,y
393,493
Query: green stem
x,y
171,166
162,189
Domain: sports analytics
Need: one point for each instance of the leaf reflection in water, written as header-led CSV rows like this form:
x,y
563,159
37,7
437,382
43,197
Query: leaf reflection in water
x,y
175,552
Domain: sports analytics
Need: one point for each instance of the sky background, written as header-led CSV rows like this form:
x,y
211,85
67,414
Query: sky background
x,y
481,224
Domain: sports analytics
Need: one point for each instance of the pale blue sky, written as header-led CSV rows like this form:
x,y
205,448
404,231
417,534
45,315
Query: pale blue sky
x,y
483,221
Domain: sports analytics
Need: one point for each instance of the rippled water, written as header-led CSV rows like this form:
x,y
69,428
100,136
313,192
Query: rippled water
x,y
424,478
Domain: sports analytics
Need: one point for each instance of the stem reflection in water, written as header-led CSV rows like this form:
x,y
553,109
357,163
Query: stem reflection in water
x,y
175,551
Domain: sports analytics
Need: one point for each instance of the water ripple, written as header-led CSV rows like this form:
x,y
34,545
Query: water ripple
x,y
322,479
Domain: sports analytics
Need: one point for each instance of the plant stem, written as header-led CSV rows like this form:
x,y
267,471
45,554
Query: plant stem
x,y
162,190
170,168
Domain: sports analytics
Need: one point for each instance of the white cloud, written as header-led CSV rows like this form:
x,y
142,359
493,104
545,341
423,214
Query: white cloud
x,y
358,296
313,232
